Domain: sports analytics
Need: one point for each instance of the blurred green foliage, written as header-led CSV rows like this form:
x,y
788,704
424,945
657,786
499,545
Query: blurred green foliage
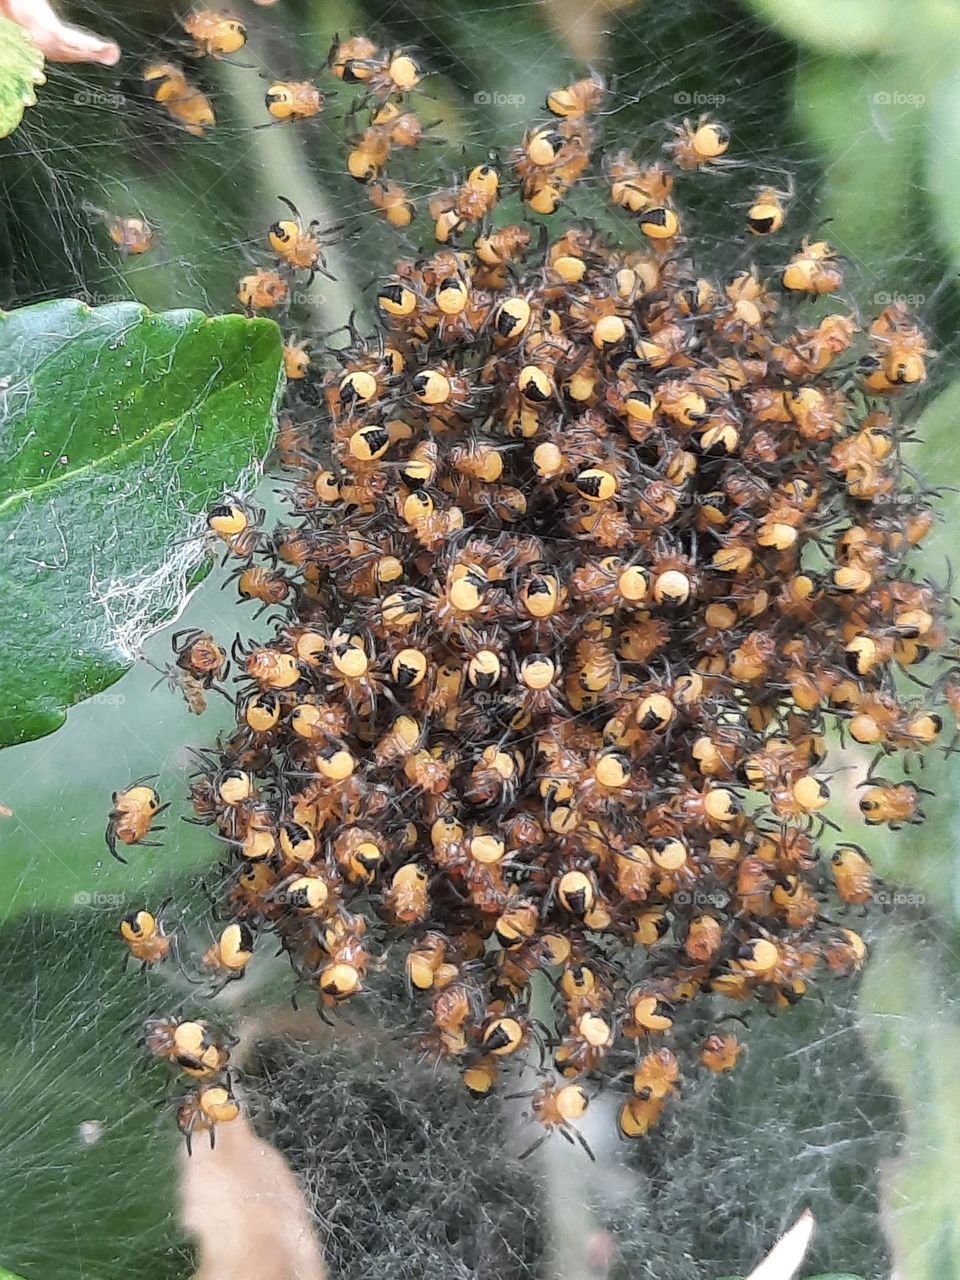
x,y
21,70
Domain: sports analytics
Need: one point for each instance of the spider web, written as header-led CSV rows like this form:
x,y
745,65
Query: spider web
x,y
403,1175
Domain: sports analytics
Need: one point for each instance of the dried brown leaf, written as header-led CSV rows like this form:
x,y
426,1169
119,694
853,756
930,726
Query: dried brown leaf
x,y
246,1211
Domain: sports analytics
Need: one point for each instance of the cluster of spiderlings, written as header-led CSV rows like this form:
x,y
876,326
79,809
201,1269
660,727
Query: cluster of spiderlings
x,y
202,1053
588,555
191,1046
385,80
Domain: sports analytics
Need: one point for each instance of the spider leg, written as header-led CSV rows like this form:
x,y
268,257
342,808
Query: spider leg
x,y
534,1146
291,206
586,1145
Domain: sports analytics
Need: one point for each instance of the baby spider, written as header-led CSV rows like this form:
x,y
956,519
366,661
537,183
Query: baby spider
x,y
269,586
214,34
145,937
699,145
198,1049
299,246
768,209
130,233
238,526
199,654
358,61
182,99
555,1107
133,812
891,803
200,663
229,954
262,290
204,1108
291,100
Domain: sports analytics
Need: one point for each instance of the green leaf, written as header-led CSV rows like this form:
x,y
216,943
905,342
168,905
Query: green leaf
x,y
939,456
116,427
21,69
906,998
8,1275
867,123
852,27
859,28
943,166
